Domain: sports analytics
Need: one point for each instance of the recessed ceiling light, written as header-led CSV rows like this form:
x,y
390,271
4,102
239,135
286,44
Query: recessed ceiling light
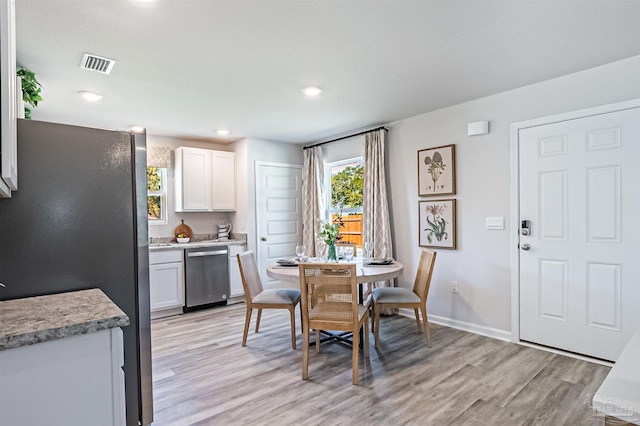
x,y
137,129
312,91
90,96
222,132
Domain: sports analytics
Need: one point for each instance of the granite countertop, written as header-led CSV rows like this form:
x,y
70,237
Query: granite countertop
x,y
196,244
39,319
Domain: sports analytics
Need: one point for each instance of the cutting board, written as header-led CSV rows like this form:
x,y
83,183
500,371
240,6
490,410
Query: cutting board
x,y
183,229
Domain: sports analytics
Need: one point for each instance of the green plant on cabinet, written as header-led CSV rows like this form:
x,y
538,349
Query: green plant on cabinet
x,y
31,89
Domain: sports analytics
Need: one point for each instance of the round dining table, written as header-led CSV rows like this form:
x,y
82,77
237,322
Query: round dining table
x,y
364,273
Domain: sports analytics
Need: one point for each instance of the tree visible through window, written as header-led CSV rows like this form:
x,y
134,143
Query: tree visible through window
x,y
346,189
156,194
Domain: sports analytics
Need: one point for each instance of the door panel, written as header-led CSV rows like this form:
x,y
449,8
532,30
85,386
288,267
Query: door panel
x,y
279,212
579,281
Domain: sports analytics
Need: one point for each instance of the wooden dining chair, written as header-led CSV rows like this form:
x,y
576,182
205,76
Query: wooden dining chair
x,y
396,297
259,298
330,302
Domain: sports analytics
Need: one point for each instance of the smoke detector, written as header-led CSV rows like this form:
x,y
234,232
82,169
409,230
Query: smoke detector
x,y
97,63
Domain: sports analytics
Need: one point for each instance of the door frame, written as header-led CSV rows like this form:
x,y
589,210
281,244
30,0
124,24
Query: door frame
x,y
256,187
515,191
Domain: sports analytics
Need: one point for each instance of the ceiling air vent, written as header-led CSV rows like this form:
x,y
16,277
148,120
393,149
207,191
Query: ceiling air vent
x,y
96,63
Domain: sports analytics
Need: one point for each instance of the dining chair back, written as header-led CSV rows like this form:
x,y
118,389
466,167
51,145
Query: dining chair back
x,y
258,298
329,301
416,298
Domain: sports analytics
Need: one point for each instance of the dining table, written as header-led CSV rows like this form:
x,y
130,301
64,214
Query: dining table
x,y
366,272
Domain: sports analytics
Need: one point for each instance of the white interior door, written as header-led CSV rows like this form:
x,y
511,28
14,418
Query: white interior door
x,y
579,267
279,212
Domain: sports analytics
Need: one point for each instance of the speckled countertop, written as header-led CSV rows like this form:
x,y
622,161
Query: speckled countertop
x,y
165,244
39,319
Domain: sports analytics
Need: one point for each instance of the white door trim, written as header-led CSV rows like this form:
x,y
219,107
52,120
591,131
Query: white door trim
x,y
256,187
515,192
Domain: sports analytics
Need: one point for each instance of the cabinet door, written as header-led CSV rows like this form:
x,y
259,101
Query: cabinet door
x,y
196,179
166,285
224,180
235,280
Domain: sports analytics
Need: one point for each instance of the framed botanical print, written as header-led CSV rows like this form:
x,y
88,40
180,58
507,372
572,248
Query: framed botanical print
x,y
437,223
437,171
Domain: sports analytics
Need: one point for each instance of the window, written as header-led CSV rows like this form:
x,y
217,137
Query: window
x,y
346,184
156,195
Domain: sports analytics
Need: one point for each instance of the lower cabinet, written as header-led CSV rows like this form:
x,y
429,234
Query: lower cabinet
x,y
235,280
74,381
166,282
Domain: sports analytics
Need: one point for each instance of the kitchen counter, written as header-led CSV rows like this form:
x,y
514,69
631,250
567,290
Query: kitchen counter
x,y
619,394
43,318
196,244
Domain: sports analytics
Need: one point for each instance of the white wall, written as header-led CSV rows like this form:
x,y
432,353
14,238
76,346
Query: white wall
x,y
482,261
343,150
260,150
200,223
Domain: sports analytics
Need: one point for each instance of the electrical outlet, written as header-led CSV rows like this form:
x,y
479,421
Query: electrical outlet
x,y
454,287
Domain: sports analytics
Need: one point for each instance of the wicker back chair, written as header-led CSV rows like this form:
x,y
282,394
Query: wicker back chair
x,y
329,301
395,297
258,298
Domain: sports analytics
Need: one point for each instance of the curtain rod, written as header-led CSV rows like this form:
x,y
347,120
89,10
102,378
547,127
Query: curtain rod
x,y
346,137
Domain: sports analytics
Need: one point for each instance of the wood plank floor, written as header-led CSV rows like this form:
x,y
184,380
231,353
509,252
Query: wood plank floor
x,y
203,376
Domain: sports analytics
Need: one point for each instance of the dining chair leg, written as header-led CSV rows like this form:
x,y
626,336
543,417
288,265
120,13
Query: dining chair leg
x,y
258,319
366,337
356,348
426,325
317,340
415,310
247,320
372,315
376,328
293,326
305,353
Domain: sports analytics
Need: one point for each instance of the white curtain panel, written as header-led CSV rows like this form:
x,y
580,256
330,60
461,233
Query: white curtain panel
x,y
314,200
159,156
376,223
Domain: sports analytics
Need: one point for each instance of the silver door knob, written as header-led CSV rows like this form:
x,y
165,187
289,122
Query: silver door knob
x,y
263,239
525,246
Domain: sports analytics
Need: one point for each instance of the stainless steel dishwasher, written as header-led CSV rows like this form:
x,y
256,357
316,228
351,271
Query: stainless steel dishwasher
x,y
207,277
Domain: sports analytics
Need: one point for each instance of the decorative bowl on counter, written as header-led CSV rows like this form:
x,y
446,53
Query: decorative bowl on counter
x,y
183,240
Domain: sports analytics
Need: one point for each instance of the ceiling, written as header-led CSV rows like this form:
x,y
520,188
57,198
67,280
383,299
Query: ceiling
x,y
185,68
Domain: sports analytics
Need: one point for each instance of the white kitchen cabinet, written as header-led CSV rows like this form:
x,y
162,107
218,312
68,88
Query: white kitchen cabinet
x,y
166,282
73,381
205,180
224,180
235,280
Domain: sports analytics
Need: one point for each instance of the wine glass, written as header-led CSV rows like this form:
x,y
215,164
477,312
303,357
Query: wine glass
x,y
348,253
300,250
368,248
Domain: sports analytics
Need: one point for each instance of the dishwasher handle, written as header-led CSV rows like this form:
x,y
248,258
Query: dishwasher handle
x,y
206,253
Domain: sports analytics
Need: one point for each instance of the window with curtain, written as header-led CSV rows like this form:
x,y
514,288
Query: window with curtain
x,y
345,181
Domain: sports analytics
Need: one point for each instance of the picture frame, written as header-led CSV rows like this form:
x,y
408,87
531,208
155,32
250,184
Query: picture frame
x,y
437,224
437,171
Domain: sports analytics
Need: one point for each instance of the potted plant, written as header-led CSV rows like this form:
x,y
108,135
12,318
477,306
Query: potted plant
x,y
31,88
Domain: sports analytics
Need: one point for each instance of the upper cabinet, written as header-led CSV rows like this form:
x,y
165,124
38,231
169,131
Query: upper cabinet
x,y
9,97
205,180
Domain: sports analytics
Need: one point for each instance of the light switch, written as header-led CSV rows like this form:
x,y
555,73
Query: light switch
x,y
496,222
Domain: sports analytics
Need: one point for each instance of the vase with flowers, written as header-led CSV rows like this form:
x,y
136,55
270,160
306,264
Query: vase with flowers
x,y
329,234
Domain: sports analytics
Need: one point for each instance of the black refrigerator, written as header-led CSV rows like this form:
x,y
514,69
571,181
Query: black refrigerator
x,y
79,220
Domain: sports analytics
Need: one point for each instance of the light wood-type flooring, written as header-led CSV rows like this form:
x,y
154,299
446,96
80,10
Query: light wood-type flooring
x,y
203,376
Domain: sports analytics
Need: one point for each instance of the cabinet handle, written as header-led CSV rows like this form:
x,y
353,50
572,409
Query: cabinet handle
x,y
263,239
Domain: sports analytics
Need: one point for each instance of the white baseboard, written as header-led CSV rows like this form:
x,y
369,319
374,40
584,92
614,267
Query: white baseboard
x,y
462,325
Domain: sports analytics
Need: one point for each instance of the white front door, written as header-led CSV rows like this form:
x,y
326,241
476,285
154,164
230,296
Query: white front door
x,y
279,212
580,266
